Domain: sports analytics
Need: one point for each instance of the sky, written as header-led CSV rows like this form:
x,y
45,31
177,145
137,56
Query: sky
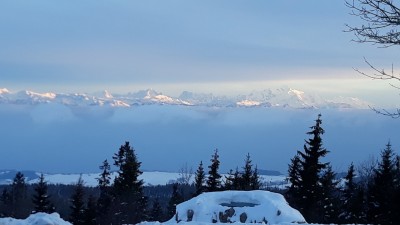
x,y
221,47
206,46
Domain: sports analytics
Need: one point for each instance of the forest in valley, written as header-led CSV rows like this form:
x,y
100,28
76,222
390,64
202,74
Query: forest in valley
x,y
369,193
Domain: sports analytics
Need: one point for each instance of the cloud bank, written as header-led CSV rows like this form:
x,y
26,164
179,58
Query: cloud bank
x,y
55,138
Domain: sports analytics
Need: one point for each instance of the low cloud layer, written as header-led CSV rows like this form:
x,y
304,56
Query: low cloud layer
x,y
55,138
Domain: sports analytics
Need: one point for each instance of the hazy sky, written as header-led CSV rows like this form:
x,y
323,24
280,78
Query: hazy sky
x,y
214,46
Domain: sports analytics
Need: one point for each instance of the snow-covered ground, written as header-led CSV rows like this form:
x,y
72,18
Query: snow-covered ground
x,y
36,219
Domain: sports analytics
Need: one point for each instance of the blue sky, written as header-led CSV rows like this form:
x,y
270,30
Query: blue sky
x,y
213,46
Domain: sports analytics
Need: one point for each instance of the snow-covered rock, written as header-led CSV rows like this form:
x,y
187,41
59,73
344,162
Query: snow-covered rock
x,y
36,219
237,206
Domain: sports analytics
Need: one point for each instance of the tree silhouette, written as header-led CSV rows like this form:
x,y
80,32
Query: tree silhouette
x,y
41,199
214,178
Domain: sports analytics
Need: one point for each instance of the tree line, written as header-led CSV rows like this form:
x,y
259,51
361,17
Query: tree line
x,y
318,195
121,200
370,196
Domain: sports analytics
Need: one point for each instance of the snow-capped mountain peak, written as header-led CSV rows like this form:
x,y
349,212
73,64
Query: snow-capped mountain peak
x,y
107,94
280,97
4,91
32,94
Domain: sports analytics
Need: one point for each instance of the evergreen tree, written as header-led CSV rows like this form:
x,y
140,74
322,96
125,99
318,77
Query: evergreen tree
x,y
175,199
308,193
77,216
352,200
199,179
19,197
105,198
232,181
245,181
328,203
41,198
295,181
157,213
255,180
130,201
382,208
90,211
5,203
214,178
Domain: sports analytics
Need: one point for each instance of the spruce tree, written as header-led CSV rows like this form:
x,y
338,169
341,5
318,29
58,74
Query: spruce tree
x,y
255,180
156,213
77,216
214,178
352,199
175,199
328,202
232,181
308,195
199,179
382,208
90,211
5,203
245,181
105,199
19,197
295,181
41,199
130,201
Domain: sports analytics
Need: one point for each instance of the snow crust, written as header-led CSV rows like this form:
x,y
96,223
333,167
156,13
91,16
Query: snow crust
x,y
259,206
36,219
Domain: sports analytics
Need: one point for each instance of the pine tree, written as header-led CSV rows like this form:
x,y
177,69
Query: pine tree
x,y
77,216
245,181
199,179
309,191
175,199
5,203
214,178
295,181
232,181
255,180
382,190
105,199
352,200
328,203
19,197
41,199
130,201
157,213
90,211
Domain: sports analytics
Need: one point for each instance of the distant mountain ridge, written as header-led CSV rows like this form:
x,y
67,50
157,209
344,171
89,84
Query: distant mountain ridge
x,y
272,178
280,97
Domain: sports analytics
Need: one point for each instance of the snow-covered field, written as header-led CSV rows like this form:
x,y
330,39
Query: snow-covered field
x,y
149,178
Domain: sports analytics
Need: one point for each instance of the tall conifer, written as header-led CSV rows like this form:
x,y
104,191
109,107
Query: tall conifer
x,y
41,199
199,179
130,204
214,178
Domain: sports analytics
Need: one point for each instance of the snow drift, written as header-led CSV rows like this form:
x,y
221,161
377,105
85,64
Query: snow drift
x,y
237,206
36,219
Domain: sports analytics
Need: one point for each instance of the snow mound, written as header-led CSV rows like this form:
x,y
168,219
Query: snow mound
x,y
36,219
237,206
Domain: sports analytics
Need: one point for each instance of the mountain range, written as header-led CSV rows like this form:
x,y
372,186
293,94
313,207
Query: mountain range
x,y
280,97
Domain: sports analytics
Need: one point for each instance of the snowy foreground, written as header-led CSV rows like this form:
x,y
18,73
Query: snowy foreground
x,y
240,207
